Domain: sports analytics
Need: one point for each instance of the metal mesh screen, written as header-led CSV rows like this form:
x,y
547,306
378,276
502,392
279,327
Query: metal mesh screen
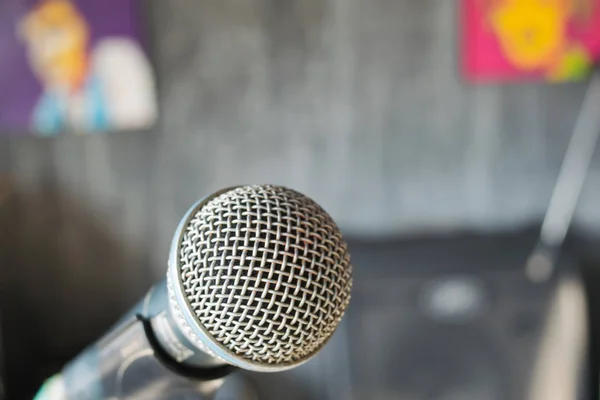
x,y
266,272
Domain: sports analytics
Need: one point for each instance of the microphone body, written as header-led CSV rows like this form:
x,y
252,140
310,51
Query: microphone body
x,y
258,278
143,356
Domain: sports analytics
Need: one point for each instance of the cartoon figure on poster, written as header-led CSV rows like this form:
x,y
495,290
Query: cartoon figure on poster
x,y
85,88
556,40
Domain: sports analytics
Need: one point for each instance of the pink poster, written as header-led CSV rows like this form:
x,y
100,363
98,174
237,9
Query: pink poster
x,y
511,40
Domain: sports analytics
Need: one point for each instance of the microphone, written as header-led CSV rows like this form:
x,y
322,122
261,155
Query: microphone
x,y
259,277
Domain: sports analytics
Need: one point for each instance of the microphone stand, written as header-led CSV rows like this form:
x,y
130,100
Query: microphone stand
x,y
570,181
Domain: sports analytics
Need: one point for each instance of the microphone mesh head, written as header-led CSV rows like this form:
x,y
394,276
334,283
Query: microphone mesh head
x,y
266,273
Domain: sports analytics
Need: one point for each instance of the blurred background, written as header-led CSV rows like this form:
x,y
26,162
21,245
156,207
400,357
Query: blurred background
x,y
439,181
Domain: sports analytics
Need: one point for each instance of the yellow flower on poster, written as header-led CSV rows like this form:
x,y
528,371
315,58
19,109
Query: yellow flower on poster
x,y
531,32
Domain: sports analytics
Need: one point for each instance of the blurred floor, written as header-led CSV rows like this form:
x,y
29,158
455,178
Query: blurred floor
x,y
392,342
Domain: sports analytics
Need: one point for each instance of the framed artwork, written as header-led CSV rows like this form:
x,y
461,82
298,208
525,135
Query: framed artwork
x,y
77,66
543,40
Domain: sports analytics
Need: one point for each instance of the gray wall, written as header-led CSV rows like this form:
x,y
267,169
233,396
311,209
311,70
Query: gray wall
x,y
357,103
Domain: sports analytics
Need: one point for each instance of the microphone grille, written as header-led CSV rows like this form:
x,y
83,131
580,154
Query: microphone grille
x,y
266,273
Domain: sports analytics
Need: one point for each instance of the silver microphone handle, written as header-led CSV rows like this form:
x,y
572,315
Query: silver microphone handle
x,y
133,361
